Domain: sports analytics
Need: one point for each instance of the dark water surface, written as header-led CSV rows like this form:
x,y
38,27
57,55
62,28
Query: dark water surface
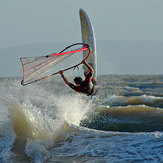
x,y
48,122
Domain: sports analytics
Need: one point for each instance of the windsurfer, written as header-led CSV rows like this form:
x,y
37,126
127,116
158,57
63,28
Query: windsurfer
x,y
88,86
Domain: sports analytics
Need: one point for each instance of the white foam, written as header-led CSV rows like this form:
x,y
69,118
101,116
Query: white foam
x,y
72,109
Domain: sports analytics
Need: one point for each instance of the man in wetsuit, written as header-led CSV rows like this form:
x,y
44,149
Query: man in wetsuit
x,y
88,86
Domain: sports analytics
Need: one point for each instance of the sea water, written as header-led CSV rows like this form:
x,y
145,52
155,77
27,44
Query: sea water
x,y
48,122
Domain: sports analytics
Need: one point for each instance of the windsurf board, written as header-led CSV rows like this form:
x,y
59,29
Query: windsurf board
x,y
88,37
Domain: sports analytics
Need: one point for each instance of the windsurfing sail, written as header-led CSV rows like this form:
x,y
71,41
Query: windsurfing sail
x,y
34,67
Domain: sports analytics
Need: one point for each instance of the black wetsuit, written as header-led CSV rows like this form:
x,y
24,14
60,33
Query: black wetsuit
x,y
88,86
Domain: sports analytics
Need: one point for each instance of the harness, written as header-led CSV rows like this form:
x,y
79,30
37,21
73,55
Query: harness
x,y
89,89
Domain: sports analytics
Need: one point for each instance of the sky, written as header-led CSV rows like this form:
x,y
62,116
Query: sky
x,y
128,32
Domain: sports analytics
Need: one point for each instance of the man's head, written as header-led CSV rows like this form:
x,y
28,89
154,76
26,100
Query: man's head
x,y
78,80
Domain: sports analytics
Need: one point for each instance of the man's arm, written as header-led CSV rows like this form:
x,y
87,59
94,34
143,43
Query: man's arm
x,y
64,78
88,66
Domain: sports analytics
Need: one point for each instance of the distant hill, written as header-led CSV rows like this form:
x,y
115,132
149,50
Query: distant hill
x,y
10,64
114,57
130,57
